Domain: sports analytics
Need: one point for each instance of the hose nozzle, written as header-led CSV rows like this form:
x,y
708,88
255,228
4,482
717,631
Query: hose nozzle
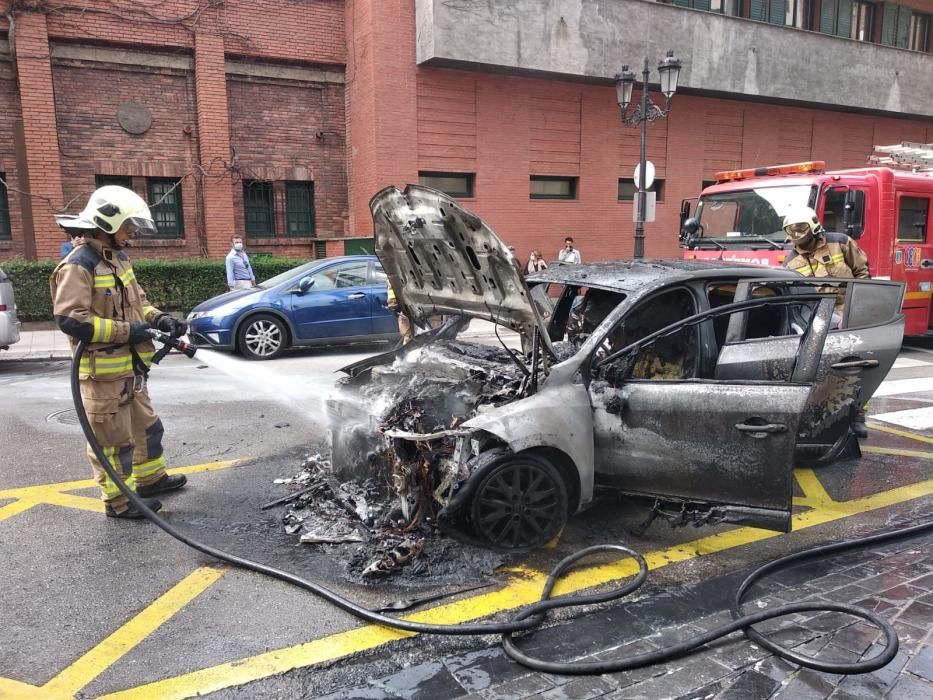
x,y
187,349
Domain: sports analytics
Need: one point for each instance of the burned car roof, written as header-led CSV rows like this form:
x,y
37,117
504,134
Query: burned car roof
x,y
637,275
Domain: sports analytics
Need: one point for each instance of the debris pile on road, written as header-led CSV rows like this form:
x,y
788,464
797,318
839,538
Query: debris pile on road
x,y
397,458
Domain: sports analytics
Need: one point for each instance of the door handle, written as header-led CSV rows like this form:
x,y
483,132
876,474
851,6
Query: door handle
x,y
765,428
356,295
855,364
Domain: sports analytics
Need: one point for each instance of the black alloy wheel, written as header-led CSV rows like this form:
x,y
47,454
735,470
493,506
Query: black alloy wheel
x,y
520,504
262,337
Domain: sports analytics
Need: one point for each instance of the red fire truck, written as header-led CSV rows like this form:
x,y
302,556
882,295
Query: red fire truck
x,y
887,209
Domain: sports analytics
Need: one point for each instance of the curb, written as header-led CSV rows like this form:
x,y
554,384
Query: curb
x,y
33,357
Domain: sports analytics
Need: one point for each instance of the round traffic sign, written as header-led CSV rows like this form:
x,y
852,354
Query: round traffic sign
x,y
649,174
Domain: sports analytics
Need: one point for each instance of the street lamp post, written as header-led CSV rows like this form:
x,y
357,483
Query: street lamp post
x,y
647,111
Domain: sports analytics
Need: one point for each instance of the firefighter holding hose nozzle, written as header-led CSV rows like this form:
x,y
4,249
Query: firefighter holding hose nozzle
x,y
96,298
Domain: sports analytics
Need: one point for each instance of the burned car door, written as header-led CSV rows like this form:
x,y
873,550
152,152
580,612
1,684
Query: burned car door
x,y
856,357
715,450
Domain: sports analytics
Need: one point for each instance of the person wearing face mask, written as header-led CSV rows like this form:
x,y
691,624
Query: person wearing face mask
x,y
569,254
239,271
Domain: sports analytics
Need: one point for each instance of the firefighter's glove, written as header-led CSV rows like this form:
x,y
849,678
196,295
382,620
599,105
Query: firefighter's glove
x,y
139,333
175,327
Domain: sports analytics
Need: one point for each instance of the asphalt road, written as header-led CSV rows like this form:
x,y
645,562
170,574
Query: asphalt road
x,y
96,607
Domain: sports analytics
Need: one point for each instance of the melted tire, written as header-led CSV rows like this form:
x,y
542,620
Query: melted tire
x,y
520,504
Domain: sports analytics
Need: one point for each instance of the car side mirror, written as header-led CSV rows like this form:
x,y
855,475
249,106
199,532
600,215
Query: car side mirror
x,y
689,230
304,284
854,214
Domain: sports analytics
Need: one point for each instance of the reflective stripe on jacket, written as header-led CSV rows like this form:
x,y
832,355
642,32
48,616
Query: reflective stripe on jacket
x,y
836,255
95,297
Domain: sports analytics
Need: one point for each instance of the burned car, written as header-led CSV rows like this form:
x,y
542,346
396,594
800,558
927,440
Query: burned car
x,y
697,384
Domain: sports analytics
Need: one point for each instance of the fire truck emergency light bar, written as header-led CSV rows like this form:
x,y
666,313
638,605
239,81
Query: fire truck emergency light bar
x,y
811,166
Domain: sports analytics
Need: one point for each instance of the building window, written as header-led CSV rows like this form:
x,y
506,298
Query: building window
x,y
299,208
912,219
896,23
627,189
553,187
454,184
118,180
797,14
919,35
732,8
165,205
863,21
258,209
6,231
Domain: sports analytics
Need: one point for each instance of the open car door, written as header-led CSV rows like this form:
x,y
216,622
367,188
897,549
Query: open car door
x,y
707,448
855,360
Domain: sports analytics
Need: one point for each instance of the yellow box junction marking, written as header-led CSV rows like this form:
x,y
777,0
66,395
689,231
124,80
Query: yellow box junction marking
x,y
57,494
524,588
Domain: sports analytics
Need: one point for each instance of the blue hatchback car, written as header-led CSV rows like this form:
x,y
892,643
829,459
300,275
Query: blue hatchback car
x,y
323,302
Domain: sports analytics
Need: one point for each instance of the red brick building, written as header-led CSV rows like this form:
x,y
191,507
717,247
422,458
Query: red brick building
x,y
280,118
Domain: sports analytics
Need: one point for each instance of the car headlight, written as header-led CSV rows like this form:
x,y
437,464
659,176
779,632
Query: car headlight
x,y
196,314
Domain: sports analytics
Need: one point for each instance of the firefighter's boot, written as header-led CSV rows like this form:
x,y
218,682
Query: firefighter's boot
x,y
859,429
132,512
169,482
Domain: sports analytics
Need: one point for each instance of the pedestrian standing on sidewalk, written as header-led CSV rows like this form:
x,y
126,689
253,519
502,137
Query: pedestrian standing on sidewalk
x,y
239,271
569,254
97,299
535,263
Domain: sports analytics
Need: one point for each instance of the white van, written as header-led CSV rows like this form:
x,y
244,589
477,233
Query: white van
x,y
9,324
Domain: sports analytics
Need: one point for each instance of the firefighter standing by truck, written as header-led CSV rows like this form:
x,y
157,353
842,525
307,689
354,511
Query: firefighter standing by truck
x,y
819,253
96,298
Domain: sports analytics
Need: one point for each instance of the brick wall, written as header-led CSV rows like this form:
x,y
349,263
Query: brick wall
x,y
9,116
91,142
291,131
525,126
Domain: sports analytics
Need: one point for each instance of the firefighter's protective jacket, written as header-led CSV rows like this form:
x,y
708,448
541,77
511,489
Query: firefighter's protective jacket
x,y
836,255
95,297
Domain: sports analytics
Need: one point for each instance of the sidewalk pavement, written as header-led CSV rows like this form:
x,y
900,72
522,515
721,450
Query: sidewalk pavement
x,y
894,579
41,341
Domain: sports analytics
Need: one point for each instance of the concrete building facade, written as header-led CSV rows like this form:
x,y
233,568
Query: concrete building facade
x,y
279,119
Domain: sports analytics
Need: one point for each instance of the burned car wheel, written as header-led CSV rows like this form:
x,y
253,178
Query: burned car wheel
x,y
521,503
262,337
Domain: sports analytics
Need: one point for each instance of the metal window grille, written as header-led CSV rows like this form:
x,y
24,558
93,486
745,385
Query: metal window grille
x,y
258,209
320,249
6,231
299,208
165,206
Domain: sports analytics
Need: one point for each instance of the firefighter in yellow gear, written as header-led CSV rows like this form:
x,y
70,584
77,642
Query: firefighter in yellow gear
x,y
96,298
819,253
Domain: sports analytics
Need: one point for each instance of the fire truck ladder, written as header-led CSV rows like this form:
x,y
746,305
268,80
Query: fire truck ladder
x,y
907,155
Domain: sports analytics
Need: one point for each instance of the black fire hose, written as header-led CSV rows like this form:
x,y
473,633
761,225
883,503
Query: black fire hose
x,y
534,615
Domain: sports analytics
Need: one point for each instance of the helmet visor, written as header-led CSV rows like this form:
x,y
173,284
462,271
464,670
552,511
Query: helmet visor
x,y
140,227
798,231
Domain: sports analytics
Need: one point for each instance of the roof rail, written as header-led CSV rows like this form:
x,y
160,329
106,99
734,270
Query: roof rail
x,y
907,155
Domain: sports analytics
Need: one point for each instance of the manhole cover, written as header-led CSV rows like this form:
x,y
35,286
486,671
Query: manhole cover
x,y
67,417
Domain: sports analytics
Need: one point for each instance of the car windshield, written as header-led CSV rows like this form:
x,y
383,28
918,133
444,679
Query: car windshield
x,y
759,213
295,272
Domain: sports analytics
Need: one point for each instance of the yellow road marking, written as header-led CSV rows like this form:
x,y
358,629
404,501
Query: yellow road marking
x,y
886,429
56,494
897,452
813,491
16,507
123,640
522,590
21,691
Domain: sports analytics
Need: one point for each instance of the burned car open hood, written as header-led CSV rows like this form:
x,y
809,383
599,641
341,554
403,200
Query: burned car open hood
x,y
442,259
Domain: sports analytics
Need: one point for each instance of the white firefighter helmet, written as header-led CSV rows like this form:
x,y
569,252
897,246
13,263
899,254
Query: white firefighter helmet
x,y
108,209
801,222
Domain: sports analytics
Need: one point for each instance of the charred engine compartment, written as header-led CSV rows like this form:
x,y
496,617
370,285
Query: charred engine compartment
x,y
399,454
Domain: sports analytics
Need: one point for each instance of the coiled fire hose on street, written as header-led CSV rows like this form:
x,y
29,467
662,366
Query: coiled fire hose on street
x,y
534,615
